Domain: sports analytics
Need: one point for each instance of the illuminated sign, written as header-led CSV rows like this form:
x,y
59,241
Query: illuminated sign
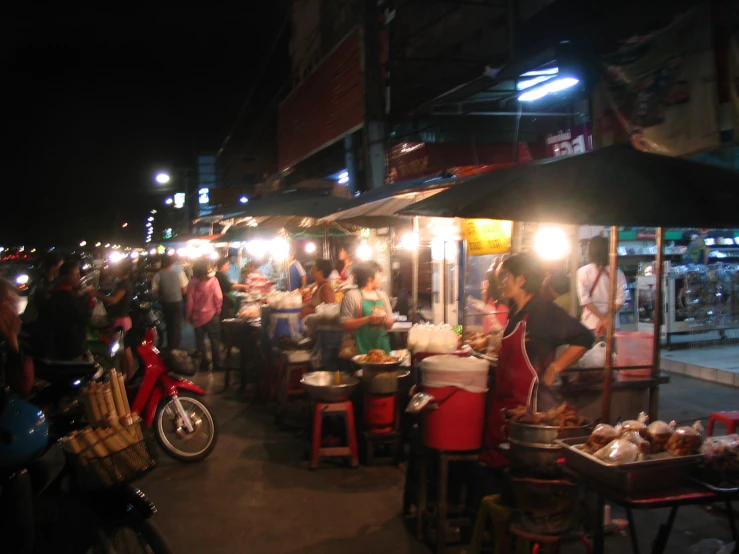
x,y
179,200
203,197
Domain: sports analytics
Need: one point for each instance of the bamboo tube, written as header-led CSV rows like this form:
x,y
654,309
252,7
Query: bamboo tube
x,y
111,441
120,407
73,445
122,385
109,403
135,427
129,437
101,401
92,441
92,400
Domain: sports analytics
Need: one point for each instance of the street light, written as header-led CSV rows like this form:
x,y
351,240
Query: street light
x,y
168,201
162,178
243,199
83,243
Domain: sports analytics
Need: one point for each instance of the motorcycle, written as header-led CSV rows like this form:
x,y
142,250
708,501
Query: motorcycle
x,y
44,508
183,425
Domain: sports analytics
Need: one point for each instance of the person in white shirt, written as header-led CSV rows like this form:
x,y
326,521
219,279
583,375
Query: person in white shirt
x,y
593,283
169,285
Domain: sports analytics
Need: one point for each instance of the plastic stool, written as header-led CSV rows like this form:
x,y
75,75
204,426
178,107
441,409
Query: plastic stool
x,y
729,419
317,451
551,543
500,516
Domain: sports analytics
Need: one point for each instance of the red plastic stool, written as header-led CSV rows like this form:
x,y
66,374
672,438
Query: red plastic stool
x,y
317,451
729,419
550,543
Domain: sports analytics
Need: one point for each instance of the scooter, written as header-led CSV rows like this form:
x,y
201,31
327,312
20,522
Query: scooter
x,y
183,425
43,507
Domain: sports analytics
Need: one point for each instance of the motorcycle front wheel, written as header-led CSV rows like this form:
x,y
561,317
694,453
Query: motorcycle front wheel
x,y
131,535
173,436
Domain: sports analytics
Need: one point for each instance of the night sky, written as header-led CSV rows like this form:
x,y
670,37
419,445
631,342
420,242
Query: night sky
x,y
98,103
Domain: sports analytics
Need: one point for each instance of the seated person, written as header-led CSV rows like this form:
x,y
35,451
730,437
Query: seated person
x,y
65,316
323,292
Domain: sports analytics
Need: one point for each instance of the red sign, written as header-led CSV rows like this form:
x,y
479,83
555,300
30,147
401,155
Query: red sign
x,y
575,140
324,107
413,160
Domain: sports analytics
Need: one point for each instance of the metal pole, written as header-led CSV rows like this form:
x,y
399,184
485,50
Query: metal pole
x,y
326,253
415,269
658,309
611,321
445,284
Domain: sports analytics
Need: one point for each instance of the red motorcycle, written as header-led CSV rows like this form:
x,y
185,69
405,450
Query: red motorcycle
x,y
182,423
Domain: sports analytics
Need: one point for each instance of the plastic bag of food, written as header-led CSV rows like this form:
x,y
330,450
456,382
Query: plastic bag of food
x,y
658,433
619,451
639,425
601,436
685,440
637,440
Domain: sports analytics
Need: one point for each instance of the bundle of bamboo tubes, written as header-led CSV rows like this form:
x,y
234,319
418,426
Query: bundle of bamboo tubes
x,y
112,447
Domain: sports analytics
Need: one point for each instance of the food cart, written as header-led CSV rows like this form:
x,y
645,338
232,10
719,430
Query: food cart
x,y
599,188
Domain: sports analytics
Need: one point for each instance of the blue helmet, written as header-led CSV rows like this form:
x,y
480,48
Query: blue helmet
x,y
24,433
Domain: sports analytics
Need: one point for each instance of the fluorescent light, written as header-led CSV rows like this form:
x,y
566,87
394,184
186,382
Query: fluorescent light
x,y
528,83
535,72
343,177
550,87
243,199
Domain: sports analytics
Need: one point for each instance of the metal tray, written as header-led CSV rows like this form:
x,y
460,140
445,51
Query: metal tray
x,y
660,471
714,488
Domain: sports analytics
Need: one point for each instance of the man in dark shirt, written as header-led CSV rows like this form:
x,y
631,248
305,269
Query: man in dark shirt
x,y
65,316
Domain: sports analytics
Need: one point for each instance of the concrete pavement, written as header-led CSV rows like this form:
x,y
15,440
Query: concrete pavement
x,y
256,494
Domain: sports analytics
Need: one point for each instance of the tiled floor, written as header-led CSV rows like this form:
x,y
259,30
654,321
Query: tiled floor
x,y
719,364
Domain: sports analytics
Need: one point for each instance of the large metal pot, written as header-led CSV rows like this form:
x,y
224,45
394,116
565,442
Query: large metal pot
x,y
322,386
545,434
385,382
535,458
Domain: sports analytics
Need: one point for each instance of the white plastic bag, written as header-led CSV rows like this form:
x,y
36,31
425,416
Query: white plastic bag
x,y
595,357
99,317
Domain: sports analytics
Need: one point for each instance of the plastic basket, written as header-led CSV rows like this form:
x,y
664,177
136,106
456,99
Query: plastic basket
x,y
124,466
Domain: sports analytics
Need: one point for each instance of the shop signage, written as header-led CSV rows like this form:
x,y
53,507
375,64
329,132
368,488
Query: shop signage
x,y
487,236
575,140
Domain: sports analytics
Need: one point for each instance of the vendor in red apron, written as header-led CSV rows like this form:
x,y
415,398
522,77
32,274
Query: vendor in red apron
x,y
366,311
527,366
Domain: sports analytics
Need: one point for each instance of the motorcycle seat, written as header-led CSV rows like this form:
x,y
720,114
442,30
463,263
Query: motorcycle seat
x,y
56,370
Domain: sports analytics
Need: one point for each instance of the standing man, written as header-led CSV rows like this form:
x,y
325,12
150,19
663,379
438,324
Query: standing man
x,y
297,278
170,284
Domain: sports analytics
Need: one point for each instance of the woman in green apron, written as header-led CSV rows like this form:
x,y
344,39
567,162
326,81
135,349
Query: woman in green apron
x,y
366,311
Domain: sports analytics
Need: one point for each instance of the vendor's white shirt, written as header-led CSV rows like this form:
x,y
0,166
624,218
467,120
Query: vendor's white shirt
x,y
351,305
586,276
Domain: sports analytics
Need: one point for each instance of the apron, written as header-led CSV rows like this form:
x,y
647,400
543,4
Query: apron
x,y
370,337
516,383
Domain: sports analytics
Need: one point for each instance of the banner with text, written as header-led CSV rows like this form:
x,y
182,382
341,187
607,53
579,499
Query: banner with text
x,y
487,236
660,92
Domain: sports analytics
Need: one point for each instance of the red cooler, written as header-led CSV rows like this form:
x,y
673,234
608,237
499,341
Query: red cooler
x,y
459,387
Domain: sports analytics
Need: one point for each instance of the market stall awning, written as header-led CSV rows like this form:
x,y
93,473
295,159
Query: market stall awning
x,y
617,185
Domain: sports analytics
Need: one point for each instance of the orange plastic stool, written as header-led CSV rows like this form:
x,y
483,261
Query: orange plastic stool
x,y
729,419
350,451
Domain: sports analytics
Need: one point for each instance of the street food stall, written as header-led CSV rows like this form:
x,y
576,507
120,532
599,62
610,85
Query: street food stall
x,y
623,463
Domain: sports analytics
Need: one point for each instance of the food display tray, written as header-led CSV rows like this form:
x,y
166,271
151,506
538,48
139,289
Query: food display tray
x,y
660,471
714,488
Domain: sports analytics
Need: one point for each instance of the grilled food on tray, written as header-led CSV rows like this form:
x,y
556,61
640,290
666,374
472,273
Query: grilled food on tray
x,y
563,415
658,433
600,437
639,425
377,356
685,440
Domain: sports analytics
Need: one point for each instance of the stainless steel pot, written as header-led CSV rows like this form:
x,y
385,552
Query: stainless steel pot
x,y
544,434
535,458
385,382
322,387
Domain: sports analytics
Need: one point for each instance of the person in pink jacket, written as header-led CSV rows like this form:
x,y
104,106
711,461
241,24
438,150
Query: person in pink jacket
x,y
204,301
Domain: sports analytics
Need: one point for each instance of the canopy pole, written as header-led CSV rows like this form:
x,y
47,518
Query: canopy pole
x,y
610,324
414,270
325,242
657,342
445,285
